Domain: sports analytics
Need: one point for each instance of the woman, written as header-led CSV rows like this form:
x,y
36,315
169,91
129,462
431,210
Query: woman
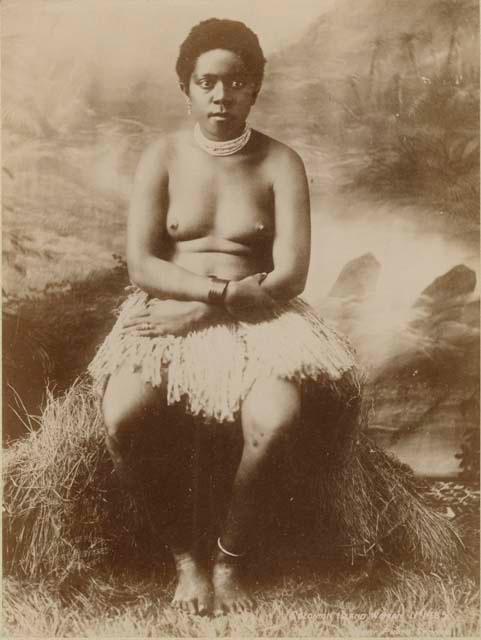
x,y
218,248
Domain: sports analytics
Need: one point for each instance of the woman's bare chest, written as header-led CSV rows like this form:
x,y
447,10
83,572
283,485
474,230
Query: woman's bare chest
x,y
226,199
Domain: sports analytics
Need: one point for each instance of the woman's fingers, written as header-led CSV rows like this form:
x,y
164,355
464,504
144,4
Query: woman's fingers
x,y
138,324
149,334
153,330
136,319
144,311
258,278
146,332
261,277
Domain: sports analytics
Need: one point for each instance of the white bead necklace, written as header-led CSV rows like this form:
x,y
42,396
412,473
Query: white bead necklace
x,y
222,147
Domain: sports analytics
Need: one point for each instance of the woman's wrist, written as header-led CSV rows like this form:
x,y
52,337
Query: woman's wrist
x,y
205,312
218,291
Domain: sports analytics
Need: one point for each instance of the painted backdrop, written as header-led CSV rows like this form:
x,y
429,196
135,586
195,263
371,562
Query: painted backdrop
x,y
381,99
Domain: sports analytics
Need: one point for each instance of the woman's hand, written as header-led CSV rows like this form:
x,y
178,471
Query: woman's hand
x,y
245,298
163,317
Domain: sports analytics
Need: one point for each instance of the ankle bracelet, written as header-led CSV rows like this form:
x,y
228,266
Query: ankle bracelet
x,y
228,553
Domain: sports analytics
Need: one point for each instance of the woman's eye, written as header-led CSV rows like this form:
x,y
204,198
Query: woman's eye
x,y
237,84
205,84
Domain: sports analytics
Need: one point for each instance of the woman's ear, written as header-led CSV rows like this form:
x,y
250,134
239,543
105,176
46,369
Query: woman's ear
x,y
186,97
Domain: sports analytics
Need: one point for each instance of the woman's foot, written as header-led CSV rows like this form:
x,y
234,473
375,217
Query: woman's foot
x,y
229,594
193,593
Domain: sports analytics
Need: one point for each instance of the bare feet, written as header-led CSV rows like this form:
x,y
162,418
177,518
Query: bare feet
x,y
229,595
194,588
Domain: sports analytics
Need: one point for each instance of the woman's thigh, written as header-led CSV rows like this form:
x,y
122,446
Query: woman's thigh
x,y
128,401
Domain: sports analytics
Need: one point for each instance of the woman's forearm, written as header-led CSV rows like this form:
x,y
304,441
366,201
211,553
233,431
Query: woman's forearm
x,y
163,279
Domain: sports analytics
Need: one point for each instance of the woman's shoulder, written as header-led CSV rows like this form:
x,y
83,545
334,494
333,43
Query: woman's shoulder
x,y
162,145
276,152
274,148
159,152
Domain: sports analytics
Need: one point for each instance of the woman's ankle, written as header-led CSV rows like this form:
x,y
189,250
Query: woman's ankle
x,y
225,556
184,559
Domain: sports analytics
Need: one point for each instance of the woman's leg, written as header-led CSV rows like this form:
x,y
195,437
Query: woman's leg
x,y
129,407
270,413
132,409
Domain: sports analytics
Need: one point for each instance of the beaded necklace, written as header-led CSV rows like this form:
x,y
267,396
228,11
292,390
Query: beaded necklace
x,y
222,147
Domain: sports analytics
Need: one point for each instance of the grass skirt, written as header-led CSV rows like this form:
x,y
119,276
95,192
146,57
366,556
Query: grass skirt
x,y
212,369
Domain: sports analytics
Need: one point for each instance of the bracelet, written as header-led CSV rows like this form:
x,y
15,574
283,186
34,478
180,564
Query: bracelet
x,y
217,291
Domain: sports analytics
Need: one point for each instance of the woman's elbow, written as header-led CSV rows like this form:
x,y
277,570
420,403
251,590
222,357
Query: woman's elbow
x,y
288,289
147,273
295,289
296,283
139,273
136,273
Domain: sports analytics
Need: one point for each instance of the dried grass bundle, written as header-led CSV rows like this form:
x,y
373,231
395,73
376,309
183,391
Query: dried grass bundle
x,y
373,506
65,512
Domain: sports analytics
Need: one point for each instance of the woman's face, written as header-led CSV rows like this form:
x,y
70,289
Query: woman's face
x,y
221,93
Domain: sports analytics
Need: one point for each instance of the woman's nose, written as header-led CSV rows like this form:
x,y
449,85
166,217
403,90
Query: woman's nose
x,y
220,93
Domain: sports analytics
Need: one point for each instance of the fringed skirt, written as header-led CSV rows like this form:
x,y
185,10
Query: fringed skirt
x,y
212,368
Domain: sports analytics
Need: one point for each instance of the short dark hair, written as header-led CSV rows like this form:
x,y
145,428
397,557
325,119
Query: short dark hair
x,y
221,34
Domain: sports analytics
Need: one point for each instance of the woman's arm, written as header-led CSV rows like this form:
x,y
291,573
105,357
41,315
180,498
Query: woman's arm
x,y
146,236
292,240
146,239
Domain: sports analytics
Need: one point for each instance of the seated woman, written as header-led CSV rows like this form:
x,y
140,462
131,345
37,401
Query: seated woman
x,y
218,248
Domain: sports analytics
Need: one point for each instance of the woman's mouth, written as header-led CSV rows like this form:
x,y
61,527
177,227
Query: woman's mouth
x,y
220,115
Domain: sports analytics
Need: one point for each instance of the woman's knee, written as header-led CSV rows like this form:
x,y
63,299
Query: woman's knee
x,y
126,405
118,419
271,414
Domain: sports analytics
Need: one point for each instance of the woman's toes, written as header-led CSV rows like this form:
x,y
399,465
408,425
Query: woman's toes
x,y
203,607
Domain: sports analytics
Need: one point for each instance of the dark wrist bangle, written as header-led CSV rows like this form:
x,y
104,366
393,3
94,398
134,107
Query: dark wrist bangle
x,y
217,291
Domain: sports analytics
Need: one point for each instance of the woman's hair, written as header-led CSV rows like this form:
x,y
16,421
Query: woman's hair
x,y
221,34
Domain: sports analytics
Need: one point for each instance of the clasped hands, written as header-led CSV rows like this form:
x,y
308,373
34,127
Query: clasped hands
x,y
244,300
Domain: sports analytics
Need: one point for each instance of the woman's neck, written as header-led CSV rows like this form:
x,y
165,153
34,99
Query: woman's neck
x,y
221,136
221,147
